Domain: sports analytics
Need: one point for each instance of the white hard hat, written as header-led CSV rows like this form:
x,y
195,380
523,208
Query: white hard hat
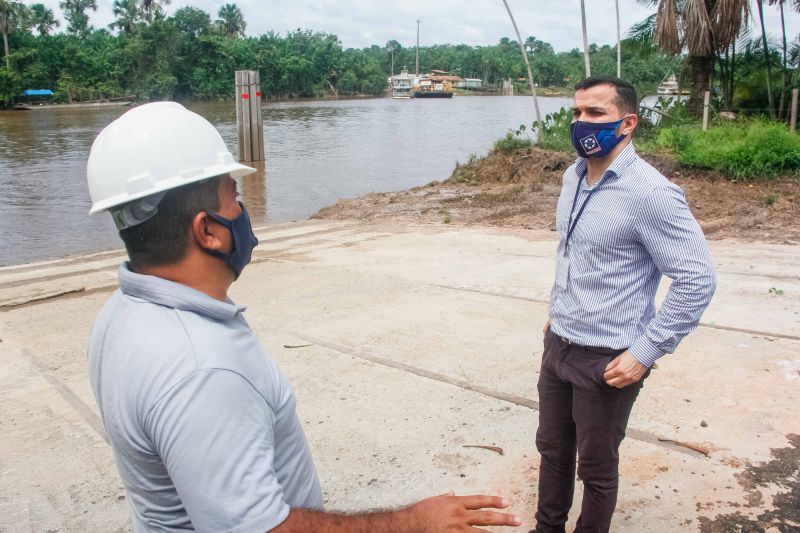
x,y
154,148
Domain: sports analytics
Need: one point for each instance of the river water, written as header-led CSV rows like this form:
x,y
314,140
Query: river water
x,y
316,154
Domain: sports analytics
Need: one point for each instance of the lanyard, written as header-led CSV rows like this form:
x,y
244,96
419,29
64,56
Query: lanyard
x,y
572,223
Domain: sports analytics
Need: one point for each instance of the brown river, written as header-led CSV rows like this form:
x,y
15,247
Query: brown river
x,y
316,154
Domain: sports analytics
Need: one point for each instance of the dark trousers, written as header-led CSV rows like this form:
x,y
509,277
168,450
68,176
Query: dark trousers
x,y
579,412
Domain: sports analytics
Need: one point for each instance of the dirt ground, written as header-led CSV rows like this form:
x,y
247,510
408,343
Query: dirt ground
x,y
520,190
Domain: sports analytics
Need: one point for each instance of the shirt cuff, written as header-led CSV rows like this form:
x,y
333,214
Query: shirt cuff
x,y
645,351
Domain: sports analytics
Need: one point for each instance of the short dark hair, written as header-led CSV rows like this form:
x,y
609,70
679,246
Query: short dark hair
x,y
162,239
626,95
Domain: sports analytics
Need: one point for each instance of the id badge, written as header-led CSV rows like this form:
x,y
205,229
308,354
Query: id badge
x,y
562,268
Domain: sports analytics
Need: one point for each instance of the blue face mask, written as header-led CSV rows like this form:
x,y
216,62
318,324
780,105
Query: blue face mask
x,y
243,241
595,139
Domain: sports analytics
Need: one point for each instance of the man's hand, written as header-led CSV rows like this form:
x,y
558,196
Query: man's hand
x,y
624,370
546,327
458,513
441,514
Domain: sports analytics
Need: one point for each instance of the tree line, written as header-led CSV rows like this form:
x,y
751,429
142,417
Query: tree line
x,y
147,54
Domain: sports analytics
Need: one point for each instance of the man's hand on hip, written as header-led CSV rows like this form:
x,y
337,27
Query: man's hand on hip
x,y
546,327
623,370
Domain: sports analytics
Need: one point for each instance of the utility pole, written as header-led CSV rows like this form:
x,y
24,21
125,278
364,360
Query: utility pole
x,y
392,51
586,64
417,69
619,45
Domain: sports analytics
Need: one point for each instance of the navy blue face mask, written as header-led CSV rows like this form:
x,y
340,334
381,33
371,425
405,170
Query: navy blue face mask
x,y
595,139
243,241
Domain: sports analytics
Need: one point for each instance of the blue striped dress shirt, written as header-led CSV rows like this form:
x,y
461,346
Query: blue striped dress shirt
x,y
636,228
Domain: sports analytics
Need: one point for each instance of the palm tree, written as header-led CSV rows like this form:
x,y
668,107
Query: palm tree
x,y
586,63
150,8
6,14
760,4
796,6
703,28
42,19
127,15
231,20
528,66
10,14
530,44
75,13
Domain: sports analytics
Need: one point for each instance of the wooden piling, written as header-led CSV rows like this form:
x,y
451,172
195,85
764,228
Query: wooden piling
x,y
793,119
249,120
706,98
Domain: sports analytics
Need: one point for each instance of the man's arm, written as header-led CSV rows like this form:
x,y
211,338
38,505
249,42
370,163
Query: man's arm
x,y
443,513
214,434
676,244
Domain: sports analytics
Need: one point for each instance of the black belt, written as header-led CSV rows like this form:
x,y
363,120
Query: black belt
x,y
593,349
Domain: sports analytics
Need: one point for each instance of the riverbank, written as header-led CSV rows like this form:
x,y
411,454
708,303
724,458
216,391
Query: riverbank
x,y
411,348
520,190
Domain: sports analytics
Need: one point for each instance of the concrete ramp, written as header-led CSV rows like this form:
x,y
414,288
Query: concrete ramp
x,y
414,353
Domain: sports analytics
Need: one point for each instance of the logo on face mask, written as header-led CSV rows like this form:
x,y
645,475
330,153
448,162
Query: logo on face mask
x,y
590,144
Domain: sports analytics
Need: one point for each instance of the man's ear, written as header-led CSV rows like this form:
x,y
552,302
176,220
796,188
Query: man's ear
x,y
206,232
629,124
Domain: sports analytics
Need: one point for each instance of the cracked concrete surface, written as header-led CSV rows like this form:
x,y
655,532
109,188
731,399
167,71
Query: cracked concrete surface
x,y
425,341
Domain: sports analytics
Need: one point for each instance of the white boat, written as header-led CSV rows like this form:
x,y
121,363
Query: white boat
x,y
669,85
403,85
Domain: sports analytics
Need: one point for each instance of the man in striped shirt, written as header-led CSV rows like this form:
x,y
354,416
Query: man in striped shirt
x,y
622,225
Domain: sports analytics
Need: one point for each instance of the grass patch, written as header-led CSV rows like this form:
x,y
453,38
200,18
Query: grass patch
x,y
512,142
555,134
749,150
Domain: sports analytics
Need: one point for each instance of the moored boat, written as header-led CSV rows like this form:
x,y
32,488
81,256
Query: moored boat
x,y
77,105
402,85
669,86
430,87
42,99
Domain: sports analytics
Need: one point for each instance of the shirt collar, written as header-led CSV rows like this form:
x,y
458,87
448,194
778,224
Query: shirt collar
x,y
617,166
175,295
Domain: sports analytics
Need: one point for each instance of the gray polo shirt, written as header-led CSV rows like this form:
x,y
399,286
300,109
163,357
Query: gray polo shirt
x,y
201,420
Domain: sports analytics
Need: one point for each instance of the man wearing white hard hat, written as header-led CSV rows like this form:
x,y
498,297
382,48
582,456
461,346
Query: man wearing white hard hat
x,y
200,418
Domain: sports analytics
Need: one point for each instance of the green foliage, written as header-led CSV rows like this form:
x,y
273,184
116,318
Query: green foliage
x,y
555,134
128,15
41,18
749,150
192,21
512,142
10,85
189,56
231,20
77,18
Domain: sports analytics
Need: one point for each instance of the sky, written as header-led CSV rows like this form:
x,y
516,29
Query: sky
x,y
361,23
